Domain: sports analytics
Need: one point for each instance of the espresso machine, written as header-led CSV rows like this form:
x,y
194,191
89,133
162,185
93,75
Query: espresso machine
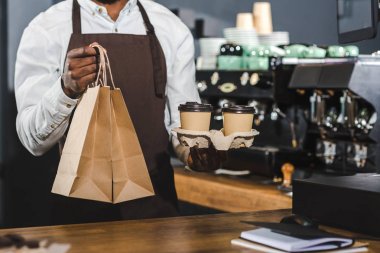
x,y
345,134
344,102
281,125
317,114
342,96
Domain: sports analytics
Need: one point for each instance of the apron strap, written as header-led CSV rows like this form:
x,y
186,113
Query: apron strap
x,y
159,65
148,24
77,23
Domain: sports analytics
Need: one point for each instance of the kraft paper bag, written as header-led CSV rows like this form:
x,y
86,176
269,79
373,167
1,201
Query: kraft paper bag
x,y
102,159
85,170
131,178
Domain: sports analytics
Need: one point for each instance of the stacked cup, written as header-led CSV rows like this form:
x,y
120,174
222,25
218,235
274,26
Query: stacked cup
x,y
244,21
262,17
209,50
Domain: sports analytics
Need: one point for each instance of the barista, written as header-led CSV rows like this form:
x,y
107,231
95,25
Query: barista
x,y
151,52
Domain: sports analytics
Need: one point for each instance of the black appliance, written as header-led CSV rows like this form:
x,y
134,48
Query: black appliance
x,y
357,20
318,114
349,143
342,96
348,202
281,125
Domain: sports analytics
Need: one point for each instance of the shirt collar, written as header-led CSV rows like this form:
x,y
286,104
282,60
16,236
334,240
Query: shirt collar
x,y
93,8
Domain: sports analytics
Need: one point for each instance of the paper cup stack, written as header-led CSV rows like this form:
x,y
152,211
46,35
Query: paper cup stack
x,y
274,39
256,28
262,17
211,46
244,21
244,33
242,36
209,51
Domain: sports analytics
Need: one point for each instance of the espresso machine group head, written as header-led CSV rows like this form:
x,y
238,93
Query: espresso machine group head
x,y
342,112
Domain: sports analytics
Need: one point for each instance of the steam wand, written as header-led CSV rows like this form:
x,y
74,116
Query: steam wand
x,y
291,124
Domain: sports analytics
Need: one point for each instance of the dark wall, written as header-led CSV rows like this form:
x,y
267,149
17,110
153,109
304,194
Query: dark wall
x,y
20,13
307,20
3,97
3,69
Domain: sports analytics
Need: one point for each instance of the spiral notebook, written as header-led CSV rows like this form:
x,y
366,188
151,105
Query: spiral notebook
x,y
293,238
259,248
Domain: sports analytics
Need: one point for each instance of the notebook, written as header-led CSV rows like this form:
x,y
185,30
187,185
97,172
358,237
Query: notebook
x,y
322,241
259,248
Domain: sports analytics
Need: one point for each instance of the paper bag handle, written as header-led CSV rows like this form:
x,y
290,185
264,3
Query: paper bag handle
x,y
104,66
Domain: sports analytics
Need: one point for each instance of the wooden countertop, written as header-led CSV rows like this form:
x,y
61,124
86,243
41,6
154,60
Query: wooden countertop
x,y
229,194
211,233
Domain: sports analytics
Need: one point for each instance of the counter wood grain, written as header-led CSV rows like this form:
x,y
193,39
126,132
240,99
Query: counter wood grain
x,y
206,234
230,194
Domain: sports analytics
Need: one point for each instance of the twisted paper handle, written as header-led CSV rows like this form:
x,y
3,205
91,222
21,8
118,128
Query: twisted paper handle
x,y
104,66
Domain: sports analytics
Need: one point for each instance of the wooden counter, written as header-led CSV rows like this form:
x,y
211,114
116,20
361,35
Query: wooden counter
x,y
230,194
211,233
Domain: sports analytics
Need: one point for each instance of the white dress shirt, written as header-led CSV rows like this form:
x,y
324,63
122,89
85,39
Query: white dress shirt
x,y
44,109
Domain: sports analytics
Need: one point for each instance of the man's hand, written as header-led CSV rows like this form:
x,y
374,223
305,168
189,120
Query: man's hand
x,y
206,159
80,71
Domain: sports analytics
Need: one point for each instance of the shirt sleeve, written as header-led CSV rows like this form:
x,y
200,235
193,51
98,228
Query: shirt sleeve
x,y
181,86
43,108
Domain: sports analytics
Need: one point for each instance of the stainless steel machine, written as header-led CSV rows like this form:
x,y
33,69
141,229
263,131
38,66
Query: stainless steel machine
x,y
348,140
318,114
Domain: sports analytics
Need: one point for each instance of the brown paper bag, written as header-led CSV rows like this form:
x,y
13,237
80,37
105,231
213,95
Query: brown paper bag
x,y
130,174
102,158
85,170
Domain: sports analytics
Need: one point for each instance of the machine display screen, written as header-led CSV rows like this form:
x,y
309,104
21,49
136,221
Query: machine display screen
x,y
354,15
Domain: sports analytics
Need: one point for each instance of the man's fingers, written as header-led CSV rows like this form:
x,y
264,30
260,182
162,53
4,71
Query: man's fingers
x,y
80,70
81,52
193,154
198,153
81,62
84,71
204,158
223,156
86,80
195,159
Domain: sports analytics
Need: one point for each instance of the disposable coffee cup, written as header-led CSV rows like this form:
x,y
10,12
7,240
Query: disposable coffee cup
x,y
237,118
262,17
195,116
244,21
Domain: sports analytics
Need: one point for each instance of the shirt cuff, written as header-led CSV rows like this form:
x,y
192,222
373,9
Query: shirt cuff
x,y
61,103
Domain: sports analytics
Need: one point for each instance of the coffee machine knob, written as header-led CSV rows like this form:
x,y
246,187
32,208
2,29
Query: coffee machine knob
x,y
255,78
227,87
202,86
215,78
244,79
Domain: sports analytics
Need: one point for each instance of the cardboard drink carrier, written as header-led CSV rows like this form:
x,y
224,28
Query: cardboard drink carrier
x,y
102,159
205,139
195,124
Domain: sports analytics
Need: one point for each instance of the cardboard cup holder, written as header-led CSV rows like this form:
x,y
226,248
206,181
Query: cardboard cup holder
x,y
203,139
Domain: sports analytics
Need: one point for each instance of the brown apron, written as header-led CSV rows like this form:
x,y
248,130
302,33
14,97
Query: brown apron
x,y
139,69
